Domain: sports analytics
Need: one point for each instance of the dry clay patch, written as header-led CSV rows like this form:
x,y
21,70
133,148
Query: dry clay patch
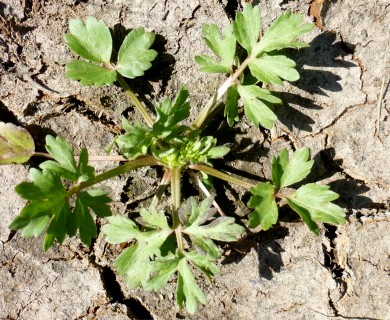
x,y
332,107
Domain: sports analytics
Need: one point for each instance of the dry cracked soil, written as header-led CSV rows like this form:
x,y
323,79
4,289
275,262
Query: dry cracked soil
x,y
339,108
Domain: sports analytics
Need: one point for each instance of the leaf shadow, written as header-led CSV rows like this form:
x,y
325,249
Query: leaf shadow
x,y
6,115
246,147
268,249
324,52
290,116
312,64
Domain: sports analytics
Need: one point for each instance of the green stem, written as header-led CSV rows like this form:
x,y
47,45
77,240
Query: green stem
x,y
90,158
209,107
131,165
176,195
221,175
138,104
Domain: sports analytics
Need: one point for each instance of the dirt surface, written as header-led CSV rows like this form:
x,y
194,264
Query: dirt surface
x,y
339,108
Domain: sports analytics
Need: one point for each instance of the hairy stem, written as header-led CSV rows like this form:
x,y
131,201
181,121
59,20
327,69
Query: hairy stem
x,y
221,175
209,107
90,158
138,104
42,155
131,165
176,195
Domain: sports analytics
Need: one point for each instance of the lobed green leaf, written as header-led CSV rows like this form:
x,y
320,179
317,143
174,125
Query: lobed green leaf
x,y
263,202
91,40
152,218
314,201
205,246
193,213
90,74
223,46
258,112
57,228
204,263
283,33
35,226
134,263
246,27
188,292
62,152
120,229
163,270
84,222
134,55
84,171
286,172
271,68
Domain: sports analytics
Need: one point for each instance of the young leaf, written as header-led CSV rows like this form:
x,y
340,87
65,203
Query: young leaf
x,y
89,73
312,203
188,292
255,109
264,204
91,40
201,150
134,266
65,165
170,114
246,27
271,68
135,141
304,213
283,33
279,166
134,55
231,106
16,144
218,152
223,47
286,172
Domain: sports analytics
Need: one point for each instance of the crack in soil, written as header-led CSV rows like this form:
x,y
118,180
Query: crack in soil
x,y
114,292
135,308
